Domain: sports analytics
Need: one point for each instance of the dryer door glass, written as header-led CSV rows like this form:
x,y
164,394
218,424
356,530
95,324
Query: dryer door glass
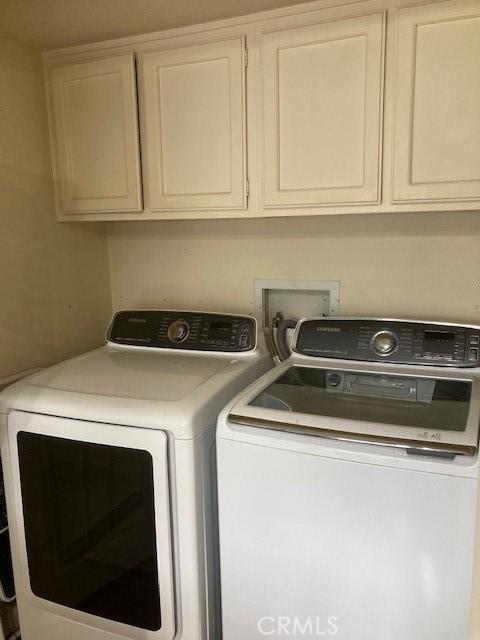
x,y
90,527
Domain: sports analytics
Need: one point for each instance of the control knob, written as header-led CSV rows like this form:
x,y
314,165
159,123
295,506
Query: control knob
x,y
178,331
334,379
384,343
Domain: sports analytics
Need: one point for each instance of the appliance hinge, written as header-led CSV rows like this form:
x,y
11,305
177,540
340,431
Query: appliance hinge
x,y
247,188
245,57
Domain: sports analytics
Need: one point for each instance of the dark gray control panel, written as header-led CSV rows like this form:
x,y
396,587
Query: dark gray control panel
x,y
183,330
399,341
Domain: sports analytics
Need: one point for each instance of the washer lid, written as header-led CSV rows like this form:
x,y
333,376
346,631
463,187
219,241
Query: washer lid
x,y
389,408
141,375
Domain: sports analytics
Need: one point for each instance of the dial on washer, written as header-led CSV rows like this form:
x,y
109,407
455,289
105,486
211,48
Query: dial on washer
x,y
384,343
178,331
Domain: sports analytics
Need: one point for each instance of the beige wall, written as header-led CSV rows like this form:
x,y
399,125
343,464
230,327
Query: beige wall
x,y
54,280
54,277
423,266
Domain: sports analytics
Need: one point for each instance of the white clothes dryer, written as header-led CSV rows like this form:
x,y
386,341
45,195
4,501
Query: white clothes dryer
x,y
108,461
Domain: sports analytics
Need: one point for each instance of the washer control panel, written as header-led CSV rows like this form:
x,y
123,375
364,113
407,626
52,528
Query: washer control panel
x,y
183,330
398,341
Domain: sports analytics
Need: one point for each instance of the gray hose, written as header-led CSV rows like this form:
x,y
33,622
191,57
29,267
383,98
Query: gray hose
x,y
272,347
282,346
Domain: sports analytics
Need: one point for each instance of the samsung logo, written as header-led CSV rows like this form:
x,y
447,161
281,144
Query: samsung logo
x,y
329,329
142,320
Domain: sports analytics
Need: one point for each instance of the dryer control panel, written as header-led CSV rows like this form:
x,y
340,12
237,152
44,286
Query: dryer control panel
x,y
188,330
398,341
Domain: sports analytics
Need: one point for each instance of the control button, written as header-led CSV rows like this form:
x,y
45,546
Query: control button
x,y
474,339
473,354
384,343
178,331
334,379
243,341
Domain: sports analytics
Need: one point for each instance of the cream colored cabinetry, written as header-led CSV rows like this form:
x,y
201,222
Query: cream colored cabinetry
x,y
371,106
95,136
437,105
194,142
322,113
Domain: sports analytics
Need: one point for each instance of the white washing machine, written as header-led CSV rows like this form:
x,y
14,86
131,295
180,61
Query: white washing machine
x,y
348,487
108,461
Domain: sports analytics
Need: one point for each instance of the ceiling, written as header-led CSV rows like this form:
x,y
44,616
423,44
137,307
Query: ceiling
x,y
49,24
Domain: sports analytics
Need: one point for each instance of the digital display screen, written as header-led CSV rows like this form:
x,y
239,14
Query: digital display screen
x,y
219,330
440,342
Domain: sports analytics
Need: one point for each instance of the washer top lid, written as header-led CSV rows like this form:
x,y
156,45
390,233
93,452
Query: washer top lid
x,y
409,407
132,374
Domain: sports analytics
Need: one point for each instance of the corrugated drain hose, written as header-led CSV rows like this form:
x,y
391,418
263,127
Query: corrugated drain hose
x,y
282,345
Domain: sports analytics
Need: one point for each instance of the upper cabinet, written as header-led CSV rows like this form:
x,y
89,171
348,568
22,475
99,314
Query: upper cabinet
x,y
437,110
94,130
322,113
371,106
194,149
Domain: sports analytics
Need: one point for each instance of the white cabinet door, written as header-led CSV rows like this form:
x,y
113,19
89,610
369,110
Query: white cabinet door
x,y
437,120
195,126
95,136
322,101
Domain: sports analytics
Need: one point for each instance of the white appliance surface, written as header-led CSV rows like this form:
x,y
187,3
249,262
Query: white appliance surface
x,y
147,388
116,445
143,375
381,552
332,538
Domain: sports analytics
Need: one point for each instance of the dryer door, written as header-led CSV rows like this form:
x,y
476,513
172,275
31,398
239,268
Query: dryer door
x,y
93,523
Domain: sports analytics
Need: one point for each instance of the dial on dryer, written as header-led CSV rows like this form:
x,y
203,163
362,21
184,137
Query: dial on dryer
x,y
178,331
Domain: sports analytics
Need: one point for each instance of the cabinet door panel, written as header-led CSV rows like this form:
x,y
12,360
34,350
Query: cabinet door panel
x,y
437,121
322,113
95,134
195,126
